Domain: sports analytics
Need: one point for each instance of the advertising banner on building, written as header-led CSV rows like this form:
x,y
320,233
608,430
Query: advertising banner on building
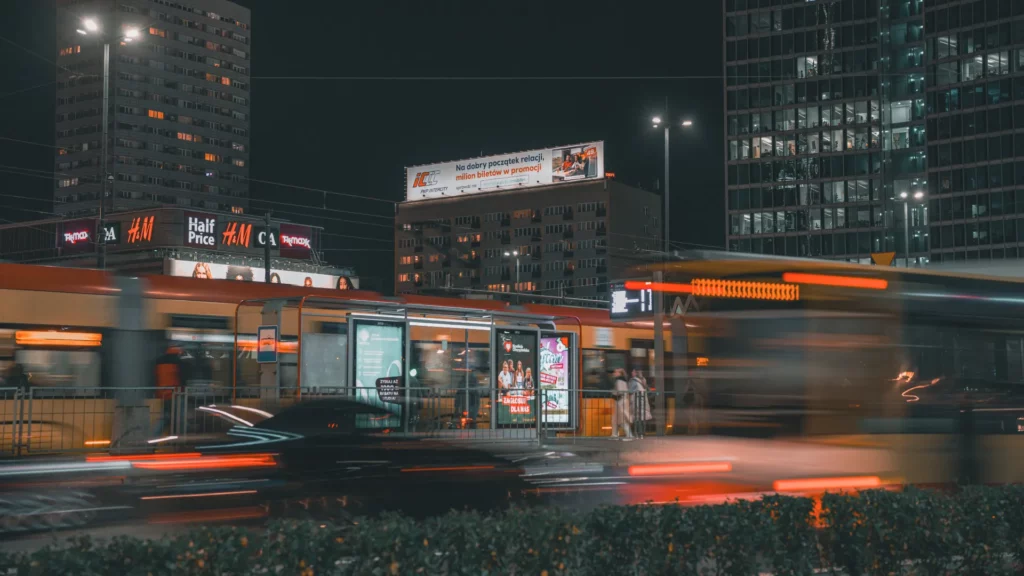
x,y
516,367
555,365
505,171
217,271
379,354
77,235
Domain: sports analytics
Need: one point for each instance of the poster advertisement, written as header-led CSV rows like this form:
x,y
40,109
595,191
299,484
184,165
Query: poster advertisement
x,y
504,171
216,271
516,366
379,348
554,379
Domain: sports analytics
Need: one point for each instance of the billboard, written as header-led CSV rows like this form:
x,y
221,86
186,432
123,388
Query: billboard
x,y
505,171
379,355
296,241
217,271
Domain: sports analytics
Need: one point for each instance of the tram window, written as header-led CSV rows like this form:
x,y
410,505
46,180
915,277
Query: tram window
x,y
78,370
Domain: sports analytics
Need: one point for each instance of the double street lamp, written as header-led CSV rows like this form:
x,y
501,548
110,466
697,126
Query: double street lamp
x,y
657,122
515,254
91,27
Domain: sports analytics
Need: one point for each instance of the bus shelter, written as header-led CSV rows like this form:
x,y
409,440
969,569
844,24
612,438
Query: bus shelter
x,y
435,367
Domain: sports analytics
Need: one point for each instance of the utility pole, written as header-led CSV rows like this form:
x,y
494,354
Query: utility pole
x,y
659,373
266,249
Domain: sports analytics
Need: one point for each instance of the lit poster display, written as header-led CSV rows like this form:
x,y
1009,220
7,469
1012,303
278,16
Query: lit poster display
x,y
516,377
379,353
216,271
554,378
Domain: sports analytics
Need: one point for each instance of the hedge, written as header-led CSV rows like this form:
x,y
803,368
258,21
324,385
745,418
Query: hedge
x,y
976,530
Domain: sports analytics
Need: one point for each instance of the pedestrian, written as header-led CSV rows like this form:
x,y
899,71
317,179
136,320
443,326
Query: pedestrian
x,y
621,412
641,404
168,381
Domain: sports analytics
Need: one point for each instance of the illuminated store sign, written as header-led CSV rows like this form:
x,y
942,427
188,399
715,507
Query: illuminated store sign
x,y
141,229
200,230
296,241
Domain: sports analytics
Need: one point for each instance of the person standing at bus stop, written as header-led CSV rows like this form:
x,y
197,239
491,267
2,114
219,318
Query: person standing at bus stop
x,y
621,413
168,381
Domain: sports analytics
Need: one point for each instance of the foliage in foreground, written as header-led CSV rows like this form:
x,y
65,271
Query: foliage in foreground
x,y
975,531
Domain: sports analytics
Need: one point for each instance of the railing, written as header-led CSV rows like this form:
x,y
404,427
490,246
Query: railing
x,y
47,420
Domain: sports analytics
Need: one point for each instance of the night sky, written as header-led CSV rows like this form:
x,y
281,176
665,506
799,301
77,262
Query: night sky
x,y
346,94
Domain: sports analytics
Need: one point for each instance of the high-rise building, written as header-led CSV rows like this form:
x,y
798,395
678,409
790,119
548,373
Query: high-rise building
x,y
178,129
863,126
545,226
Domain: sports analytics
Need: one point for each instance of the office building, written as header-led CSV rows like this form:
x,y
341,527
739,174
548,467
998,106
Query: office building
x,y
538,226
863,126
178,102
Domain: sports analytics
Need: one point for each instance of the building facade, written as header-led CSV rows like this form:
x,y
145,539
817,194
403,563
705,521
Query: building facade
x,y
179,242
179,105
564,242
863,126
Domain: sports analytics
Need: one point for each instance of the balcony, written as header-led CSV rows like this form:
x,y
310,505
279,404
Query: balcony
x,y
568,233
418,264
446,263
602,269
506,222
567,215
535,274
568,253
471,262
602,249
536,237
474,281
506,240
568,272
418,248
602,231
475,243
476,223
536,254
536,218
602,212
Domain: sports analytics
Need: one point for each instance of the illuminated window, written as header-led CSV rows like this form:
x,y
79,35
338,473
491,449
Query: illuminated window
x,y
212,77
403,277
156,114
211,157
185,136
70,50
158,32
406,260
237,210
239,163
225,80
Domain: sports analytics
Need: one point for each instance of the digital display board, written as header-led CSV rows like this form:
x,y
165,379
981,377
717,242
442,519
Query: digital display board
x,y
379,353
516,377
630,304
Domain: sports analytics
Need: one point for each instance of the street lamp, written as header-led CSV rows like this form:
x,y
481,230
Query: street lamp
x,y
657,122
515,253
90,27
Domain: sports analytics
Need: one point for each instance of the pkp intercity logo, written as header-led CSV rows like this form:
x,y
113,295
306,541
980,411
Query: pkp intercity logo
x,y
426,179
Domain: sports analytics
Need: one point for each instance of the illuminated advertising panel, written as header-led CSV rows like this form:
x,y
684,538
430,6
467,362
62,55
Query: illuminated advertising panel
x,y
140,230
516,377
217,271
379,354
112,233
505,171
555,377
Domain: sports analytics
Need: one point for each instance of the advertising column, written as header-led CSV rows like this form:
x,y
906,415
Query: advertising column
x,y
516,368
379,353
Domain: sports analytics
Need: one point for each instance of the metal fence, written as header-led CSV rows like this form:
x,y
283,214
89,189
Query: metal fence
x,y
10,420
610,414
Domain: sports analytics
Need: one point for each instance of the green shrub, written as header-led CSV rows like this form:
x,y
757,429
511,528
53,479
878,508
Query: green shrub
x,y
973,531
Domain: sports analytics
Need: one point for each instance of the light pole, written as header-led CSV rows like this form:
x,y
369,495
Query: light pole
x,y
658,372
515,253
657,121
90,27
919,196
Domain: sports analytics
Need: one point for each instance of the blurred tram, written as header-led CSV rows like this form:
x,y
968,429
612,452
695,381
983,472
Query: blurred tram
x,y
927,366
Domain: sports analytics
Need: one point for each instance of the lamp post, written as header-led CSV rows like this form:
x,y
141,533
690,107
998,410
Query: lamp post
x,y
657,122
904,198
658,372
515,253
90,27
